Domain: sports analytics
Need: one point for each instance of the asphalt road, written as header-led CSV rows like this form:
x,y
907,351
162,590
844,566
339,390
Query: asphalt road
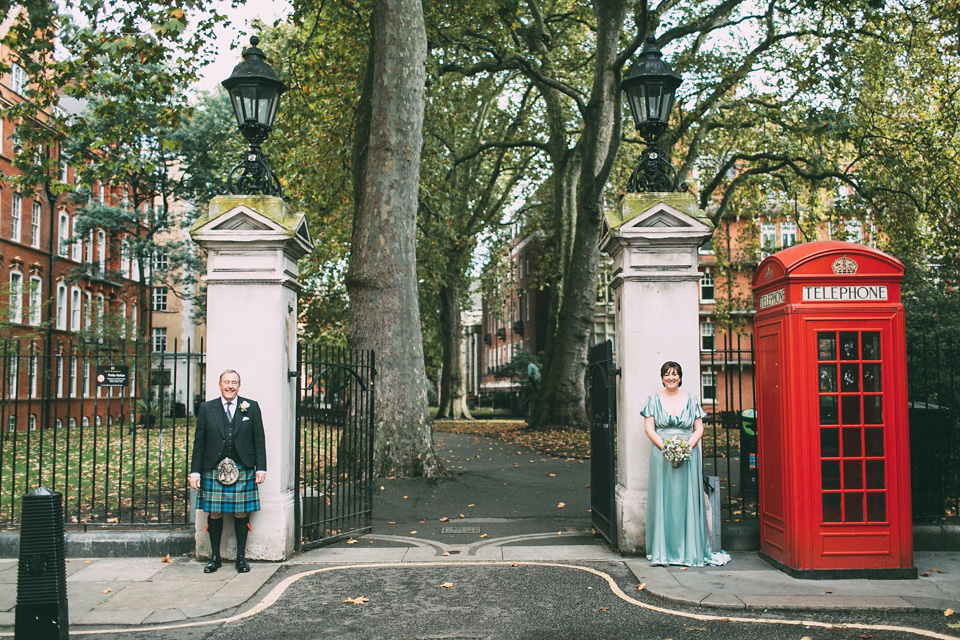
x,y
520,602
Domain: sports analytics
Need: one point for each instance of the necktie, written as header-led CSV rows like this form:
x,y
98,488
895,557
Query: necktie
x,y
229,412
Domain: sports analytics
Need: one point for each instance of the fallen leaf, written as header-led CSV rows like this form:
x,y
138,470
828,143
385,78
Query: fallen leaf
x,y
446,553
444,519
107,590
805,638
701,629
828,591
684,568
113,520
925,574
413,533
351,541
866,636
483,535
561,505
604,609
357,600
948,612
552,475
382,488
462,516
559,533
953,625
405,497
166,558
641,586
447,585
587,487
391,523
87,561
514,565
471,505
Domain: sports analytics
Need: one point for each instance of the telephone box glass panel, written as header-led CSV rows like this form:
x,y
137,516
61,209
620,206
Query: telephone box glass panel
x,y
852,464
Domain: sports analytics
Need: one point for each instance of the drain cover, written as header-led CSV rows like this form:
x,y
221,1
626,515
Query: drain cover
x,y
459,529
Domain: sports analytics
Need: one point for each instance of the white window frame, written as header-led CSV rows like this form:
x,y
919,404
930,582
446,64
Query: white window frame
x,y
64,231
74,374
125,258
123,318
16,216
59,376
708,330
102,250
160,299
18,79
788,234
35,225
707,282
89,247
77,250
708,378
853,230
159,339
16,297
32,370
768,238
86,378
75,308
34,315
13,371
62,307
87,309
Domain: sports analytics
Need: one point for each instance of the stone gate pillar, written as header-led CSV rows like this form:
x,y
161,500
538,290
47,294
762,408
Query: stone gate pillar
x,y
653,239
253,244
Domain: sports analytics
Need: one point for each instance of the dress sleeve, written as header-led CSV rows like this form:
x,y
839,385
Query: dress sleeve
x,y
698,411
649,409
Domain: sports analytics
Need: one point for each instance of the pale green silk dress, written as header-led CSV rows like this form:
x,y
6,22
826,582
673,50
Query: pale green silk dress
x,y
676,513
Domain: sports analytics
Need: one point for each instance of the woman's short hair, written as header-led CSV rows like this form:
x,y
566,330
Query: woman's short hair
x,y
670,364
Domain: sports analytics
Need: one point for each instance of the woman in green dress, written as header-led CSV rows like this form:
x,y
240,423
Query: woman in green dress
x,y
676,513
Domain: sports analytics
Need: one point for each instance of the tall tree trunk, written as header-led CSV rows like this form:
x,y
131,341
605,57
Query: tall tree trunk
x,y
382,276
562,393
453,404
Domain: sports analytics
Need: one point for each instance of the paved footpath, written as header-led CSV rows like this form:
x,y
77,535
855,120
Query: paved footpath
x,y
509,531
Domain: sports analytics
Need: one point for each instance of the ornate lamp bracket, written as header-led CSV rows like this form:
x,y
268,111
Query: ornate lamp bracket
x,y
256,178
653,173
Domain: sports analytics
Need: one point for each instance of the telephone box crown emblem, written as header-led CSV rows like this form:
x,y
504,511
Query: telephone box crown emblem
x,y
768,274
844,266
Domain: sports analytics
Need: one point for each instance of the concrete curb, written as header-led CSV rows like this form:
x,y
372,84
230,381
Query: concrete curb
x,y
114,544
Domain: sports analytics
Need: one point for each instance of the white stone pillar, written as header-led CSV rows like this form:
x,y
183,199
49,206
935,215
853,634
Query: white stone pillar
x,y
253,244
653,239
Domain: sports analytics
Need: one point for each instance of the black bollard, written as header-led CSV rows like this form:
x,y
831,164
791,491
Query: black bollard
x,y
42,573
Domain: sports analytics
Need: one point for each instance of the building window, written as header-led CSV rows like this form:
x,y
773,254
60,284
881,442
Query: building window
x,y
133,321
13,368
87,310
33,422
75,309
123,318
73,376
706,286
89,246
707,336
59,423
159,298
12,423
853,231
35,226
768,238
86,378
125,256
788,234
101,308
102,250
18,79
59,376
62,307
708,386
159,339
160,261
32,377
77,243
64,230
35,308
71,423
16,213
16,297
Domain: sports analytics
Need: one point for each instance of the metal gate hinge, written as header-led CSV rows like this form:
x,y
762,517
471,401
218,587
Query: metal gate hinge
x,y
613,372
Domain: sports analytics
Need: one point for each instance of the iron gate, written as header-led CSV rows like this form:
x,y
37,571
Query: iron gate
x,y
334,443
603,433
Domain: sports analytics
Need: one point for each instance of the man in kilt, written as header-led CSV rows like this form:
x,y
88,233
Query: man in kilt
x,y
228,427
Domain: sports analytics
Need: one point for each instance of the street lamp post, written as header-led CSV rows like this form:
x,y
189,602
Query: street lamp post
x,y
254,92
651,86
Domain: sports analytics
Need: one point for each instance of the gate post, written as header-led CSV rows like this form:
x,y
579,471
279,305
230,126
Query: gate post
x,y
653,239
253,244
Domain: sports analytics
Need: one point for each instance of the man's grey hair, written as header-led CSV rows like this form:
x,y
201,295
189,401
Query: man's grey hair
x,y
226,371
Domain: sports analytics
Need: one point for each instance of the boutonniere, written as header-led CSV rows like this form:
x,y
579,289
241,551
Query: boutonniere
x,y
244,406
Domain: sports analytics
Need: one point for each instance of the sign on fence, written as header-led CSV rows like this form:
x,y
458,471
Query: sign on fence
x,y
115,375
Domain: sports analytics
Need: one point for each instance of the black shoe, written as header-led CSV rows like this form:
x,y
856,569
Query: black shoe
x,y
242,566
214,564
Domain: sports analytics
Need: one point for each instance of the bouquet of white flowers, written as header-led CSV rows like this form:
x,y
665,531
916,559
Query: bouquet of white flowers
x,y
676,450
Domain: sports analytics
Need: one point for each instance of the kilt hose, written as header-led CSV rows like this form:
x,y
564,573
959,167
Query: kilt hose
x,y
240,497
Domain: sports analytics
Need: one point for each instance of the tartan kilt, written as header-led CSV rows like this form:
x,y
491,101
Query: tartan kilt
x,y
240,497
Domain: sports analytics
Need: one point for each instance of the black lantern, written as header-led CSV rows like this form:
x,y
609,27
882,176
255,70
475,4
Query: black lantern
x,y
254,92
651,86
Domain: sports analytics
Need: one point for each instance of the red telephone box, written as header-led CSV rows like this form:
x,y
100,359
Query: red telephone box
x,y
832,413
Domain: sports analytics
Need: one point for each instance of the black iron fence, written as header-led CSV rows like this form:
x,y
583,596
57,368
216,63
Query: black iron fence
x,y
730,429
933,381
602,378
334,443
107,425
